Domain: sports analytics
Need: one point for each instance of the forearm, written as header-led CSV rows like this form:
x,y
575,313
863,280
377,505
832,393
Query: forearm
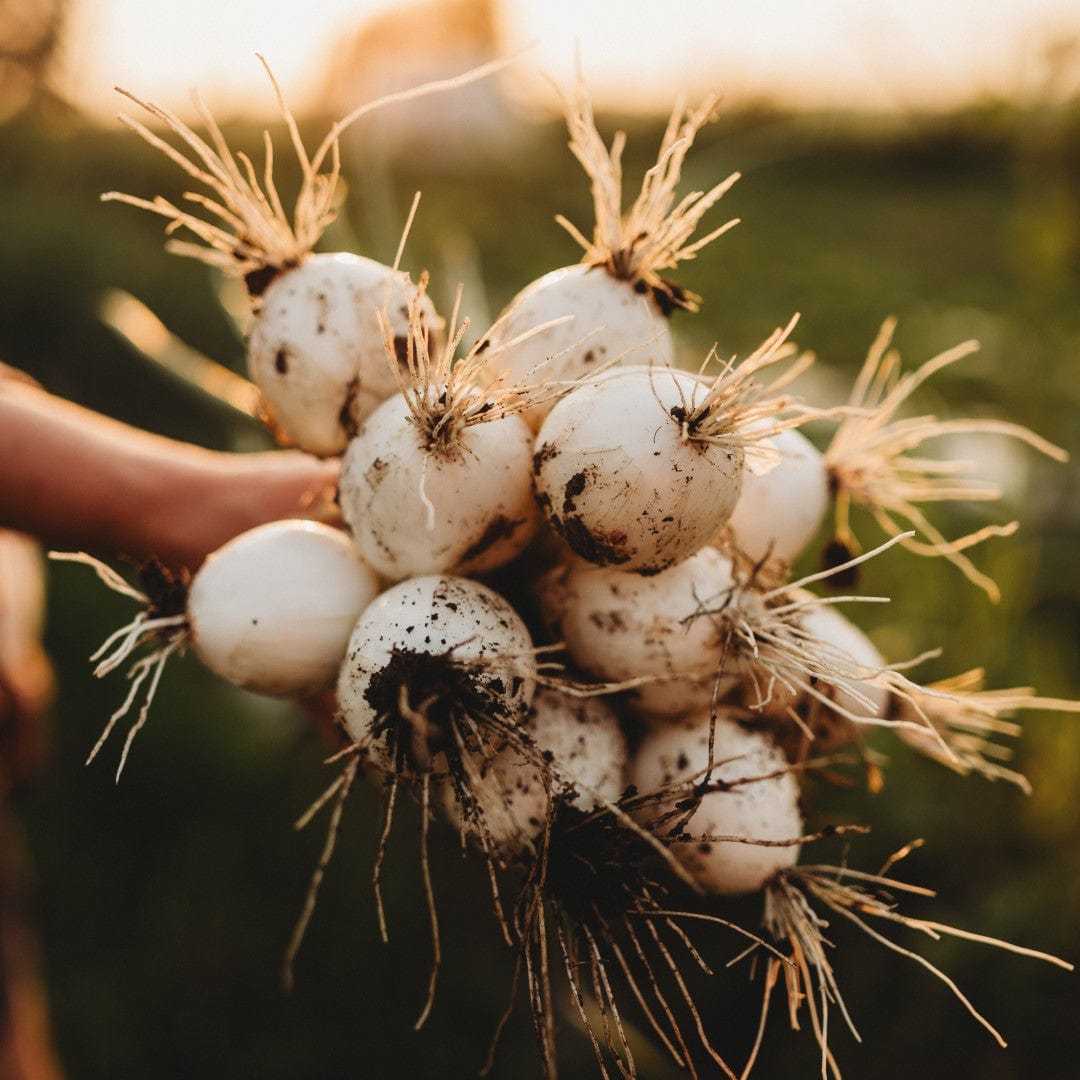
x,y
78,480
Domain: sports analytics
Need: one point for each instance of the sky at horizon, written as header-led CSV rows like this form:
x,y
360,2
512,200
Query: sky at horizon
x,y
860,54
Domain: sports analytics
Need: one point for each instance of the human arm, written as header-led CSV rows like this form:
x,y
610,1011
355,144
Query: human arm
x,y
79,480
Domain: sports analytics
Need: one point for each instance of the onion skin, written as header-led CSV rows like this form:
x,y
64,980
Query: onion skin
x,y
620,482
610,319
316,350
761,809
272,609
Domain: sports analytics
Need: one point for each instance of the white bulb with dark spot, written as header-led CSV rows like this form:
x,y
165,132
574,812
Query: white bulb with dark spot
x,y
448,647
619,626
765,808
623,481
463,505
316,350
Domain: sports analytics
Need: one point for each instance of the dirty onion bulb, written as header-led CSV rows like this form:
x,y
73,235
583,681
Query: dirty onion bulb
x,y
436,666
640,467
315,347
616,295
619,626
270,611
587,749
439,478
745,824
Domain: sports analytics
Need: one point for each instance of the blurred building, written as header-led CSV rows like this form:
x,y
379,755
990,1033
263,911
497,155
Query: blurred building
x,y
414,43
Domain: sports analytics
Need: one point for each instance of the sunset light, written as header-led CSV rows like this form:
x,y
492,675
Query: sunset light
x,y
539,538
835,53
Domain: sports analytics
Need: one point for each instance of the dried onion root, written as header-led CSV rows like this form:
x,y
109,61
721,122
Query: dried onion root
x,y
870,460
793,921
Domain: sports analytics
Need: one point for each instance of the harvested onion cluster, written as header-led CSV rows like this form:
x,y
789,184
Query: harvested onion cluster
x,y
563,616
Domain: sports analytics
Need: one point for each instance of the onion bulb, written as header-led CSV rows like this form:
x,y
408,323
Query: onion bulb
x,y
611,321
584,743
755,798
316,351
617,295
639,468
856,654
439,479
271,611
436,665
620,626
780,511
620,480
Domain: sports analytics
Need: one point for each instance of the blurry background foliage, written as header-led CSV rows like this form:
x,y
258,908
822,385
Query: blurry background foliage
x,y
165,902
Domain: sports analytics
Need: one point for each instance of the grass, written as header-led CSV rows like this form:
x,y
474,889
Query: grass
x,y
165,903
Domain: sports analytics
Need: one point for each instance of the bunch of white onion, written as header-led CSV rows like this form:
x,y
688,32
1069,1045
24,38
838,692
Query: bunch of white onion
x,y
562,613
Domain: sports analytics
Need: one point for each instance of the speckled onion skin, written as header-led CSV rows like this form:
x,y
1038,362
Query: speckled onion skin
x,y
588,749
316,351
273,608
481,489
619,483
780,511
762,810
618,625
434,615
630,321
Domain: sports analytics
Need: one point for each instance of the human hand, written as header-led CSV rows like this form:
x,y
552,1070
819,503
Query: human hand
x,y
215,497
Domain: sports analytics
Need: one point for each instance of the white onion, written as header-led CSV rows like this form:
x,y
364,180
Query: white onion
x,y
464,506
620,480
316,350
839,637
618,626
588,761
780,511
761,809
450,649
273,608
611,319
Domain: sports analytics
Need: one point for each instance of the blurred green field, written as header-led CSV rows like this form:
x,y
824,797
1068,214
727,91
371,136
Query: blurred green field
x,y
165,902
